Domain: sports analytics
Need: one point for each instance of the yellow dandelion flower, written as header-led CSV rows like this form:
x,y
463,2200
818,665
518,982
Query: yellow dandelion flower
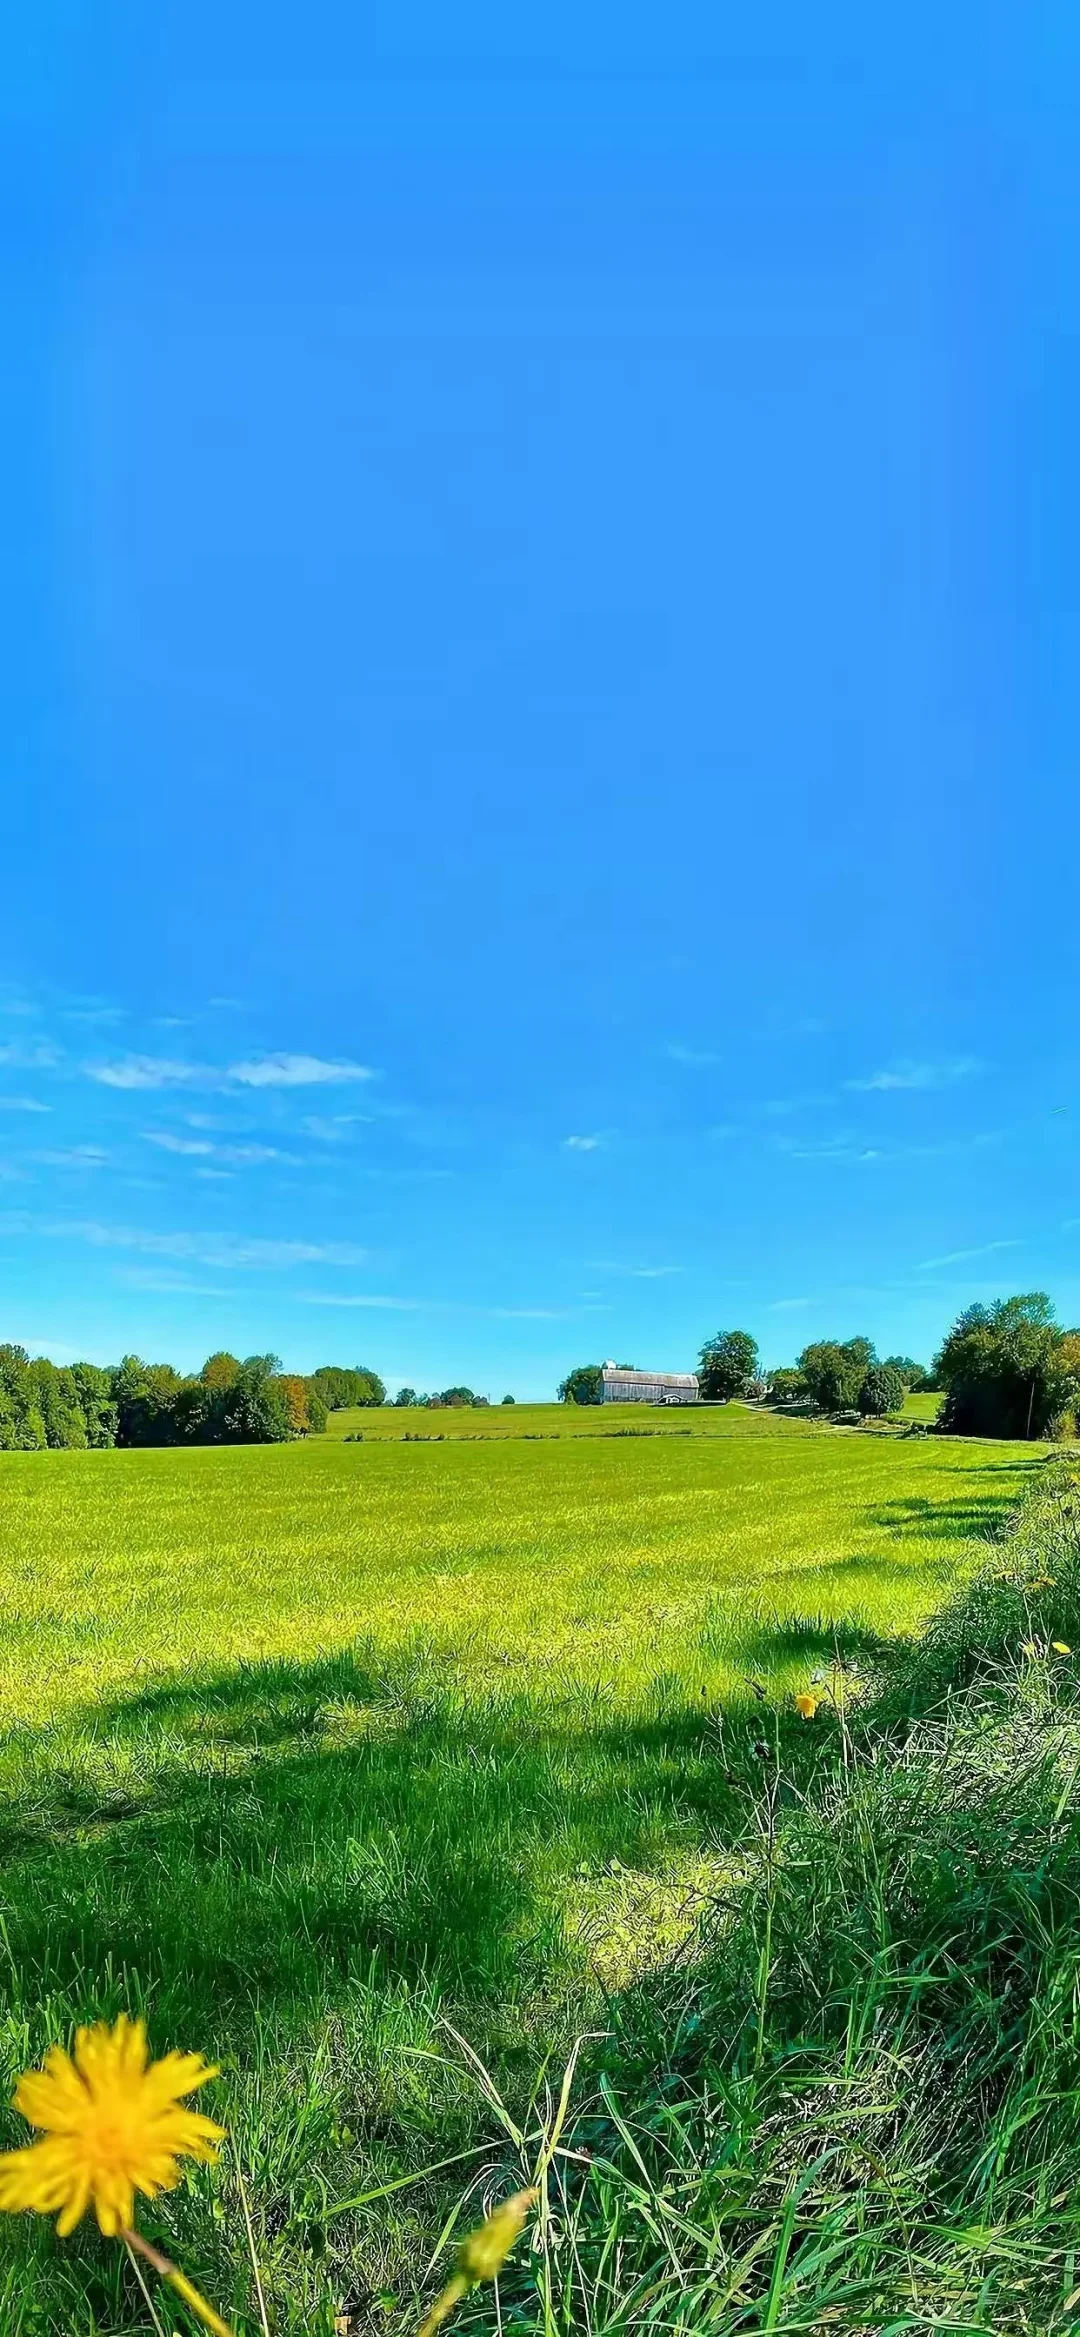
x,y
113,2125
1061,1647
1042,1582
806,1704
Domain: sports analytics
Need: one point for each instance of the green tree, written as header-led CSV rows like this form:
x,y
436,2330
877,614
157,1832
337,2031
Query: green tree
x,y
833,1371
914,1375
727,1364
407,1398
221,1370
145,1395
882,1391
96,1399
22,1407
583,1385
343,1388
509,1399
1008,1369
786,1384
57,1397
257,1408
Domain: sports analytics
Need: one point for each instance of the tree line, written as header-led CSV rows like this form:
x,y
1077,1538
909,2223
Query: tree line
x,y
89,1406
1010,1369
454,1399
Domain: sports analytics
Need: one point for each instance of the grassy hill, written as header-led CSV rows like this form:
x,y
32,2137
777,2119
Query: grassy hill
x,y
311,1749
388,1421
924,1408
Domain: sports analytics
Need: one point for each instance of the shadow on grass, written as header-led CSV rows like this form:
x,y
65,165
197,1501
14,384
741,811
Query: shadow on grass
x,y
286,1833
813,1640
282,1833
966,1518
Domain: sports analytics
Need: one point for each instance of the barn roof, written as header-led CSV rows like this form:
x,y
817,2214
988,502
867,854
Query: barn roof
x,y
666,1379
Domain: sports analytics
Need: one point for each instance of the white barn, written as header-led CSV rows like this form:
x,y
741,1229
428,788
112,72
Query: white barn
x,y
621,1386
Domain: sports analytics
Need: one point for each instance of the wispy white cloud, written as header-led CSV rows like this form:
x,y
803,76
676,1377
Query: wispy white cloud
x,y
39,1057
156,1072
960,1257
182,1144
363,1299
331,1130
583,1143
253,1155
843,1147
78,1156
167,1285
692,1058
785,1306
848,1149
917,1075
635,1273
137,1072
240,1155
22,1103
296,1071
208,1249
95,1012
218,1176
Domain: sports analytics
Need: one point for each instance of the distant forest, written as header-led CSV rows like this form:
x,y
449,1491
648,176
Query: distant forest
x,y
82,1406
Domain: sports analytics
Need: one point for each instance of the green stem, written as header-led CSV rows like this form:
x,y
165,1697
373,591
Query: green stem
x,y
178,2280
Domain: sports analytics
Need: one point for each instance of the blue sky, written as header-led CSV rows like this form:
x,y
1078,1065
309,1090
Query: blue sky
x,y
540,706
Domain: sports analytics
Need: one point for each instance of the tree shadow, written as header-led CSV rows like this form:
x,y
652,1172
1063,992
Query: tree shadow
x,y
281,1833
965,1518
814,1640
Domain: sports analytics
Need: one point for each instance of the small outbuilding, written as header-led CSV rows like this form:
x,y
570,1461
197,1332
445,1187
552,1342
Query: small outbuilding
x,y
620,1386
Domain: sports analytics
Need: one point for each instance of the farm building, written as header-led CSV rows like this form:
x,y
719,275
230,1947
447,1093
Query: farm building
x,y
622,1386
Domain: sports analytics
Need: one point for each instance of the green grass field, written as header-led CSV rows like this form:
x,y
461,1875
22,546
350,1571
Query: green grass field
x,y
312,1748
924,1408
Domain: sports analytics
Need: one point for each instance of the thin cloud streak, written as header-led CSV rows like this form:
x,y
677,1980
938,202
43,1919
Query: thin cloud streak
x,y
362,1299
916,1075
71,1156
147,1073
221,1250
633,1273
37,1058
960,1257
242,1155
296,1071
135,1073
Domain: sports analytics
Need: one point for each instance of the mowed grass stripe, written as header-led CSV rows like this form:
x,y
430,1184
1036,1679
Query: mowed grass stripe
x,y
573,1561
